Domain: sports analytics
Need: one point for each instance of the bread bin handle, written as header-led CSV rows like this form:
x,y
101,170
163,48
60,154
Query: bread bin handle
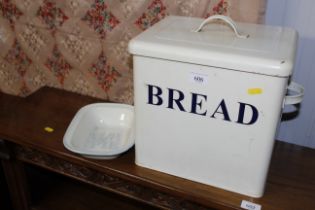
x,y
226,19
295,98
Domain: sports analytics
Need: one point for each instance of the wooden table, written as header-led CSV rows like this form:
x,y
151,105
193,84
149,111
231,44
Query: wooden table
x,y
290,185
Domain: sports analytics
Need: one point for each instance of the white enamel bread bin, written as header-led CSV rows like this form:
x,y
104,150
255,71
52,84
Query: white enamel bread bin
x,y
208,98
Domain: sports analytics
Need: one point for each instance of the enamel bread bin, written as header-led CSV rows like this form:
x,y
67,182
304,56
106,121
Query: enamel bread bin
x,y
208,99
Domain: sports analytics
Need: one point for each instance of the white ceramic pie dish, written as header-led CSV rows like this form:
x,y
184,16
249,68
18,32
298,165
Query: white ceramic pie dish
x,y
101,130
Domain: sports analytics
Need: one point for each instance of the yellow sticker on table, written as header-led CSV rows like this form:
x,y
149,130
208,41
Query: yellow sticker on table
x,y
48,129
254,91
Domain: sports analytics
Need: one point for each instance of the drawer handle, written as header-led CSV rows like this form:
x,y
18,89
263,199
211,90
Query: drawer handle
x,y
297,97
226,19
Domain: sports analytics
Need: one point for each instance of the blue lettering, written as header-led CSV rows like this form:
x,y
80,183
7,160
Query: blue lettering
x,y
224,111
177,101
241,114
156,95
195,104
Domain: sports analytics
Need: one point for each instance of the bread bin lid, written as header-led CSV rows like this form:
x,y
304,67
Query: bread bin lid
x,y
267,50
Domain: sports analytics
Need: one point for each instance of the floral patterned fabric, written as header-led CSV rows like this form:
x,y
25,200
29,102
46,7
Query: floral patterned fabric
x,y
81,45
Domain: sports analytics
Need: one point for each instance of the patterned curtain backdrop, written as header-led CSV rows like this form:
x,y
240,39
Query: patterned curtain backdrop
x,y
81,45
